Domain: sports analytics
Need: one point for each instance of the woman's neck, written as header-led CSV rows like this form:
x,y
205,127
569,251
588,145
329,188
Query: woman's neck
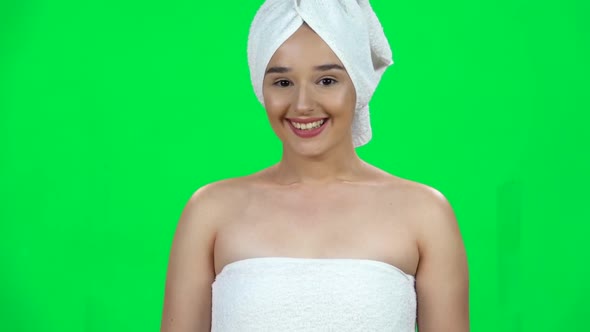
x,y
341,166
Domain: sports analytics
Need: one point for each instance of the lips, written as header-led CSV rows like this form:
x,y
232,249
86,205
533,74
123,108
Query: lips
x,y
307,133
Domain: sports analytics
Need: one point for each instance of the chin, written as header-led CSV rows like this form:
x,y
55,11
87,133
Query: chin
x,y
309,149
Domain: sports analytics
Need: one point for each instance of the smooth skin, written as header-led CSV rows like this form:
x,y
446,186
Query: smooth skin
x,y
320,201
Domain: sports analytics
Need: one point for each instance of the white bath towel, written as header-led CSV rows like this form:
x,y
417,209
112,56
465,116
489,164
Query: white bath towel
x,y
349,27
282,294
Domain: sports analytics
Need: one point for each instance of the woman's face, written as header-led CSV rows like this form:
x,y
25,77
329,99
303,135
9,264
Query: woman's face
x,y
305,81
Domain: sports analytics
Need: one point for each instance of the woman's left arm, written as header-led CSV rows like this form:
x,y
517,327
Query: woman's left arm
x,y
442,278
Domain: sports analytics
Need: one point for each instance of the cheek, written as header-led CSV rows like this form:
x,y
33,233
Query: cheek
x,y
342,102
275,105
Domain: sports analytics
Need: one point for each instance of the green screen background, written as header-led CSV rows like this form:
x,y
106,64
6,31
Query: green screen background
x,y
112,113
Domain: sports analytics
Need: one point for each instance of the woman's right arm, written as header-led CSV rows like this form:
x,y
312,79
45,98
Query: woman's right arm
x,y
187,299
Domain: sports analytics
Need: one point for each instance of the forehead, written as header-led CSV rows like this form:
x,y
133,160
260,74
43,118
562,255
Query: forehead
x,y
303,47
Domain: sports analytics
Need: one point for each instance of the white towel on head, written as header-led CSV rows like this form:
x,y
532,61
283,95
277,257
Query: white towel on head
x,y
349,27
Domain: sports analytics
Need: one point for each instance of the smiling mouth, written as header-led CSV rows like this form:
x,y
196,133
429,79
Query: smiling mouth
x,y
308,129
309,125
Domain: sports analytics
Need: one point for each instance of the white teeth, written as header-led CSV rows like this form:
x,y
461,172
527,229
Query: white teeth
x,y
308,126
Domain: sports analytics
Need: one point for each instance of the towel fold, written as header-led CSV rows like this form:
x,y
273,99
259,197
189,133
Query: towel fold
x,y
349,27
300,294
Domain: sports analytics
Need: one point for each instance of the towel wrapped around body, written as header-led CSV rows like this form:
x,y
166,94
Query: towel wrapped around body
x,y
282,294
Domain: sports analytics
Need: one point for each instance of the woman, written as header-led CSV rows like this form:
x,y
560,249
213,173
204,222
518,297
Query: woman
x,y
321,241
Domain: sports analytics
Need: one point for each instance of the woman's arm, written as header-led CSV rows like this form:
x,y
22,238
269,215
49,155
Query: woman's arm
x,y
187,301
442,280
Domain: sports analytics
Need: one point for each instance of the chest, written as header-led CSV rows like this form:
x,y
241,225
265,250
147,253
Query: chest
x,y
343,224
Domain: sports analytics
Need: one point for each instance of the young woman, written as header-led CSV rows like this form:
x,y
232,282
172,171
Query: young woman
x,y
321,241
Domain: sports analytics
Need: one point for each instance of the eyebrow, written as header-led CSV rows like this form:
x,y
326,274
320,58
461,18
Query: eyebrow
x,y
282,70
329,67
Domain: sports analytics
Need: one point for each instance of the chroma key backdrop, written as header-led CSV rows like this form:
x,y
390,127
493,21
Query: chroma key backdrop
x,y
112,113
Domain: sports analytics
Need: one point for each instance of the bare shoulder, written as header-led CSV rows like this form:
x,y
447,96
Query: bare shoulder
x,y
430,213
219,192
221,198
424,206
421,200
428,205
433,217
442,279
187,300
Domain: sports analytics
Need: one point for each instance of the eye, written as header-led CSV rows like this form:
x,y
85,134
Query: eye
x,y
327,81
282,83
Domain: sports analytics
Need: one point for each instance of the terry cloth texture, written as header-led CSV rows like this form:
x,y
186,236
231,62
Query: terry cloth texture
x,y
349,27
313,294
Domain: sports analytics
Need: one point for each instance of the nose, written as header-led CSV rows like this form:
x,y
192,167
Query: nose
x,y
303,103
